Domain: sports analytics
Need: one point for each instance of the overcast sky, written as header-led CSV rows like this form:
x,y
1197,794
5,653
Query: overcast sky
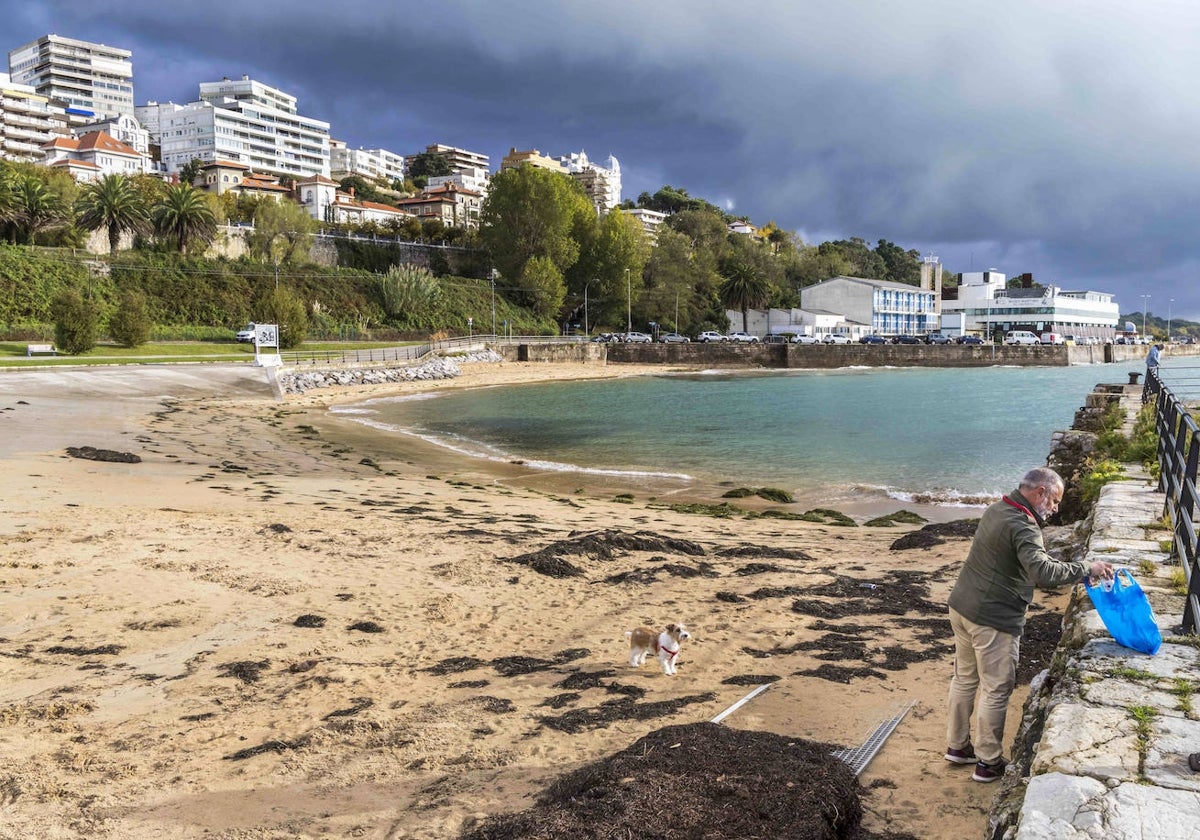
x,y
1057,137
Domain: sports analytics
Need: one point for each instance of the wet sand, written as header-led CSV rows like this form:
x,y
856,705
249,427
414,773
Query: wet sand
x,y
273,626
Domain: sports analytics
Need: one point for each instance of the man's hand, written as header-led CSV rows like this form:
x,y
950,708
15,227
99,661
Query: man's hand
x,y
1101,570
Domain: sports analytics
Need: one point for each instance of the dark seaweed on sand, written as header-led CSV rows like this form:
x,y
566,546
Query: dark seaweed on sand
x,y
758,551
933,534
699,780
246,671
100,650
598,546
623,708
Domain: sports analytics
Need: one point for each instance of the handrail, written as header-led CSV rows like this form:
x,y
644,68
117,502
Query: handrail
x,y
1178,456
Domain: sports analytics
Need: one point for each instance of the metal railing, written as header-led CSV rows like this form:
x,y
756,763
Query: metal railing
x,y
1178,455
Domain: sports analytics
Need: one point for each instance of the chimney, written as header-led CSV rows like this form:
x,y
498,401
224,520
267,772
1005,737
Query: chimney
x,y
351,191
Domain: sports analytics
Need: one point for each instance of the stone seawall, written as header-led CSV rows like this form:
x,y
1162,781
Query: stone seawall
x,y
1102,749
566,351
835,355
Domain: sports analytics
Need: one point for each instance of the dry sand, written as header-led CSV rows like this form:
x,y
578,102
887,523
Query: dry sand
x,y
154,681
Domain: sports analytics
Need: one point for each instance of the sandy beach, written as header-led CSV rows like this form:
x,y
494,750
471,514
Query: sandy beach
x,y
273,627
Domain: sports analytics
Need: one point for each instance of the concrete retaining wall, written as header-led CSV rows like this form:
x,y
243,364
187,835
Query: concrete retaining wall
x,y
835,355
579,352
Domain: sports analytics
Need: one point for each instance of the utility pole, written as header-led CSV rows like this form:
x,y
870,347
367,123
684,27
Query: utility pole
x,y
628,305
1169,302
585,307
1145,302
492,277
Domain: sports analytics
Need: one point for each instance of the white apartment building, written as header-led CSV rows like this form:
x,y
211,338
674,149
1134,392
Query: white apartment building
x,y
27,121
369,163
887,308
601,183
460,160
242,121
323,200
650,220
986,306
469,180
94,80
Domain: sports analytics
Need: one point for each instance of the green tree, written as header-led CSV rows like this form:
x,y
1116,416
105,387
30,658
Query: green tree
x,y
185,216
543,283
114,204
190,171
286,309
421,167
130,323
901,266
532,212
282,232
610,247
75,322
744,288
35,208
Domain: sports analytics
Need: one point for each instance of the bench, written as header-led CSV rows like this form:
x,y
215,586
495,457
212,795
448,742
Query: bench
x,y
40,348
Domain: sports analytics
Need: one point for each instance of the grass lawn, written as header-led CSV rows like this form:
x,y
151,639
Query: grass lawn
x,y
13,354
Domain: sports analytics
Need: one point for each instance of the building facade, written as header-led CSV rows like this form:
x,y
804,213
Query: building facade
x,y
515,159
601,183
93,156
450,204
369,163
460,160
986,306
241,121
94,80
124,128
323,200
28,120
886,308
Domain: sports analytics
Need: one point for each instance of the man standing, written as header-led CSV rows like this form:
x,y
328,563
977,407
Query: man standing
x,y
1152,360
987,612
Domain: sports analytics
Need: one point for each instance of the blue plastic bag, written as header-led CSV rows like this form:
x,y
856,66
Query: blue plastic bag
x,y
1126,612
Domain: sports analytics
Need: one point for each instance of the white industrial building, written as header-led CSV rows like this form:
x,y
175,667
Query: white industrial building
x,y
243,121
94,80
986,306
886,308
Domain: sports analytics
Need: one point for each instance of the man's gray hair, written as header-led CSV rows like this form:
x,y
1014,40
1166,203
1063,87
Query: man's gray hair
x,y
1042,477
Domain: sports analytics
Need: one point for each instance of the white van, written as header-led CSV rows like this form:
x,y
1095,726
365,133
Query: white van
x,y
1020,337
1053,338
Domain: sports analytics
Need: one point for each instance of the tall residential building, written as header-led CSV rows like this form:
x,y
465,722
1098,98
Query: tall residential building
x,y
460,160
242,121
601,183
95,80
370,163
27,121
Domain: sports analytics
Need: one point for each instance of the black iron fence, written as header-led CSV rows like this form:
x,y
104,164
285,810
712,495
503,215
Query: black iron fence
x,y
1178,454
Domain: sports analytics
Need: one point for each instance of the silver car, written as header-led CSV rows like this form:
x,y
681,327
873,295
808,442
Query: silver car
x,y
742,338
636,338
673,338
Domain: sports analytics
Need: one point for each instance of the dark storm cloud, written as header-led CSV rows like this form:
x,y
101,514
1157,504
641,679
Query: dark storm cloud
x,y
1052,138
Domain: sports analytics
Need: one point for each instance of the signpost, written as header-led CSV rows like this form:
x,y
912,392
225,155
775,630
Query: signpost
x,y
266,336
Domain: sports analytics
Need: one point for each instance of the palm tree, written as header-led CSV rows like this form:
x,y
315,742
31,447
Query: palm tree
x,y
744,287
36,208
112,203
185,215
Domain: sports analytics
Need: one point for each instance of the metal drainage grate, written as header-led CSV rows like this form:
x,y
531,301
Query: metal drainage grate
x,y
859,757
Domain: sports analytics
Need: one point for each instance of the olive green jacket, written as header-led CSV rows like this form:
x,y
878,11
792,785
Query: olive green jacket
x,y
1007,559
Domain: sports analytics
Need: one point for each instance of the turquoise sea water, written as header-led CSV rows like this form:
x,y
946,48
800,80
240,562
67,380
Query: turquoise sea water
x,y
939,435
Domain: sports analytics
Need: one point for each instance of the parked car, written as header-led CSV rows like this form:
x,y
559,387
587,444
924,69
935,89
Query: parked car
x,y
1053,338
636,338
906,339
605,338
742,338
806,339
246,335
969,339
938,338
872,339
710,336
836,338
673,338
775,339
1024,337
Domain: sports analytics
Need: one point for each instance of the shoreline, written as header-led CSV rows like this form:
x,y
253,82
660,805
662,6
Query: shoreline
x,y
261,629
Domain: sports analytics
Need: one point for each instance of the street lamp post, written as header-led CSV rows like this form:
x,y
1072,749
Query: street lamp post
x,y
628,305
585,307
1145,302
492,277
1169,302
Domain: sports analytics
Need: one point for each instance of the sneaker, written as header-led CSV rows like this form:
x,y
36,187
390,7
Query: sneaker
x,y
985,772
964,756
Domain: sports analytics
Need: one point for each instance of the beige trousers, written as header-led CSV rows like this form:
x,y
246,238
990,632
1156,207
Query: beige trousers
x,y
985,663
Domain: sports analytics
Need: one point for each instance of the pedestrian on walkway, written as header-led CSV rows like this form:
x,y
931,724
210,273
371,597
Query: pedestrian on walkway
x,y
1152,360
987,613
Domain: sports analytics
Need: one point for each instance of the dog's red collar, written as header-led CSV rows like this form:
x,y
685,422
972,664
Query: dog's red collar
x,y
668,651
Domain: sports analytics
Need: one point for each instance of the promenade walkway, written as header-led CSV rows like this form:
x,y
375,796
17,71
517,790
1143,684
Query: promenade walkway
x,y
1103,748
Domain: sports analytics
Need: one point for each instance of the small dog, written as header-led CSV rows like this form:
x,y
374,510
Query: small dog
x,y
666,645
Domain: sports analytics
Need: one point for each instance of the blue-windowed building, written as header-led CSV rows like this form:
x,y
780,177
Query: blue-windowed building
x,y
890,308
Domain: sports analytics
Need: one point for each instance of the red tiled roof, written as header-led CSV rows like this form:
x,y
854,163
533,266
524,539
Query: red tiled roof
x,y
61,143
101,141
318,179
85,164
225,164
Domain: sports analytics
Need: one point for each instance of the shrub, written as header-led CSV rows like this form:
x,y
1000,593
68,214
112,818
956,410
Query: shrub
x,y
130,324
1101,473
284,307
408,294
75,322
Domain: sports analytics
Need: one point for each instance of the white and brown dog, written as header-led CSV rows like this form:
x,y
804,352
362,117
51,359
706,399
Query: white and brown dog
x,y
665,645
